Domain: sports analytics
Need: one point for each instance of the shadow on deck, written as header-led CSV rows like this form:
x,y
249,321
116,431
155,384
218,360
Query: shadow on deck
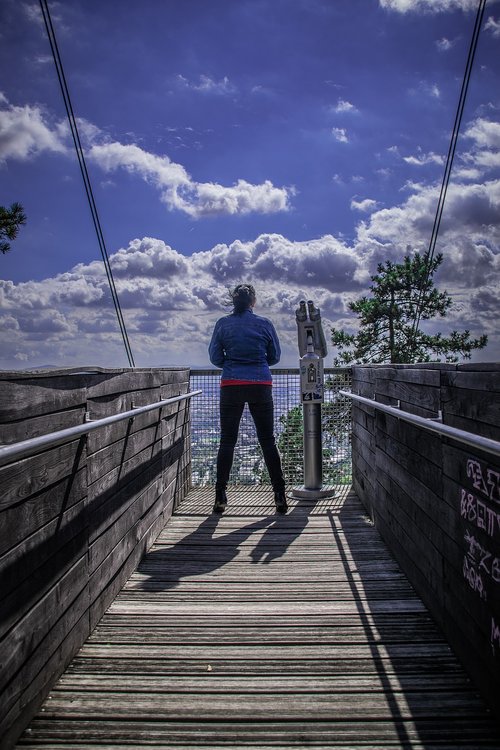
x,y
258,630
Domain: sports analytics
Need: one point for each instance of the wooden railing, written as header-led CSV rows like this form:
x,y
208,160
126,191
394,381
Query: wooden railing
x,y
76,518
436,500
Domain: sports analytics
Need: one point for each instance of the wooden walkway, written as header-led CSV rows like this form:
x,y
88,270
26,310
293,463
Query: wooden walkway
x,y
253,630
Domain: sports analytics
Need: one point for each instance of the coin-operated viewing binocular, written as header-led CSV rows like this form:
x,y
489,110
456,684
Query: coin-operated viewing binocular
x,y
309,327
312,349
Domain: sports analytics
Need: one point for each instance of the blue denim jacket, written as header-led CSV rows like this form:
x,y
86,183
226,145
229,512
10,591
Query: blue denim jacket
x,y
244,345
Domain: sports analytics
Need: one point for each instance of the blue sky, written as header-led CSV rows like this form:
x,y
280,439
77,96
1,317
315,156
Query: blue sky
x,y
290,143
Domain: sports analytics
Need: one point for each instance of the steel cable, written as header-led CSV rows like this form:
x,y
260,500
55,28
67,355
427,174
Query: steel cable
x,y
449,163
85,176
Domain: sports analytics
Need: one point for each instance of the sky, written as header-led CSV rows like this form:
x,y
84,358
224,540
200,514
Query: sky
x,y
292,144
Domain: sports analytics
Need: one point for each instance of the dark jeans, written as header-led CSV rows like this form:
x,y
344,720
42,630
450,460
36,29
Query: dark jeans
x,y
260,402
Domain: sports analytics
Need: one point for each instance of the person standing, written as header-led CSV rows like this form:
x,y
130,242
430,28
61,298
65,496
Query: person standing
x,y
244,345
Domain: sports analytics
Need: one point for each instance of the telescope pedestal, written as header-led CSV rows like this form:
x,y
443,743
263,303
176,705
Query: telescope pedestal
x,y
313,488
302,493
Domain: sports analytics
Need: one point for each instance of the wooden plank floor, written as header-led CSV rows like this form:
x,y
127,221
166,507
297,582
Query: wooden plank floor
x,y
253,630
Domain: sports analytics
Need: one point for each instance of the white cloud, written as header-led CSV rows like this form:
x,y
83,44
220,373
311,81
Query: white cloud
x,y
179,191
367,205
148,257
169,299
43,60
33,13
8,323
325,262
465,173
431,89
207,85
430,6
485,153
344,106
260,90
340,135
494,26
422,159
471,211
444,44
485,133
24,132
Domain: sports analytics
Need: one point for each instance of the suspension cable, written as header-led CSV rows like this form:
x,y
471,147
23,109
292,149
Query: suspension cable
x,y
449,163
85,176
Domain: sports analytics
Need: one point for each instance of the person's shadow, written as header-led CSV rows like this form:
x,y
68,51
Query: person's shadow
x,y
281,534
203,550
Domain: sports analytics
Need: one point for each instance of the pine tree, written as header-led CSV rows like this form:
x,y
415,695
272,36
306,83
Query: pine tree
x,y
402,295
10,221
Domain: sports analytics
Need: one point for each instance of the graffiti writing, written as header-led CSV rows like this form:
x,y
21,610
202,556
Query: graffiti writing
x,y
475,511
479,509
474,578
495,635
482,558
489,486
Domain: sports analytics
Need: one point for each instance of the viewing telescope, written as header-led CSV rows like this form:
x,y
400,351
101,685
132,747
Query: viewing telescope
x,y
309,325
312,350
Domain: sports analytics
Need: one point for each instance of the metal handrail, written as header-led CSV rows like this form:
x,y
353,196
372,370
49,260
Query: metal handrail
x,y
29,447
476,441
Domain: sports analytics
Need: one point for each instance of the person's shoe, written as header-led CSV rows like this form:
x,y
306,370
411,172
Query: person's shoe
x,y
220,501
280,501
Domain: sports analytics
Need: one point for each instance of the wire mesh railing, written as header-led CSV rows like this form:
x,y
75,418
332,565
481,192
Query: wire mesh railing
x,y
248,466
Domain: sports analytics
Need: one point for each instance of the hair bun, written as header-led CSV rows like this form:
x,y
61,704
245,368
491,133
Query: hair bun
x,y
243,297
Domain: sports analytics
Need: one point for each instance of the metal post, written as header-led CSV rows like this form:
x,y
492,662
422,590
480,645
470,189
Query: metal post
x,y
312,348
313,465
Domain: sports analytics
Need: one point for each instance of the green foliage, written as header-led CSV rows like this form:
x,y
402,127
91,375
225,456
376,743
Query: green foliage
x,y
387,330
336,430
290,445
10,221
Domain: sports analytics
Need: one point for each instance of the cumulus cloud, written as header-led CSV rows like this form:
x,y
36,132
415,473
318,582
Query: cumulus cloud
x,y
179,191
25,132
485,133
8,323
471,211
148,257
485,152
170,301
325,262
167,298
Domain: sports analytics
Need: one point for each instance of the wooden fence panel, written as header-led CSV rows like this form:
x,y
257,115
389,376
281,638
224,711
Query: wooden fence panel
x,y
76,519
436,501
